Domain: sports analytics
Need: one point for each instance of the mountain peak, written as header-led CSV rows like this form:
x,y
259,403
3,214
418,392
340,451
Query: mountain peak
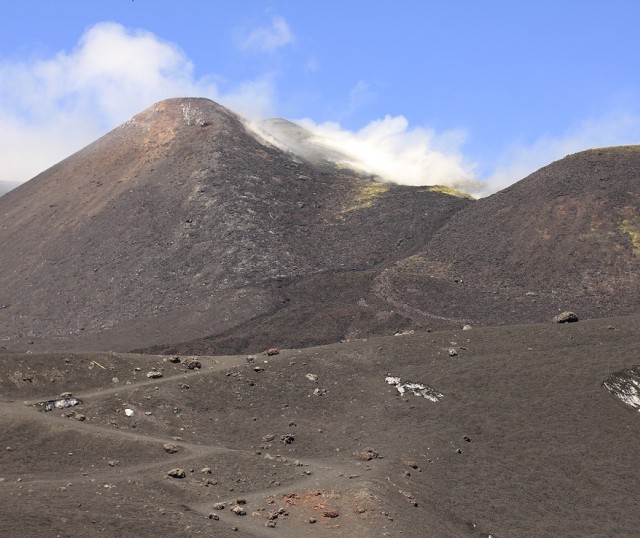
x,y
183,111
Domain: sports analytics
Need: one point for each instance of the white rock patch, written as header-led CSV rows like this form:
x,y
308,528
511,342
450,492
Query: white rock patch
x,y
625,385
418,389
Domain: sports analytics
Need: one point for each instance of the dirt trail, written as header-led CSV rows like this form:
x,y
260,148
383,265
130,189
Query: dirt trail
x,y
319,476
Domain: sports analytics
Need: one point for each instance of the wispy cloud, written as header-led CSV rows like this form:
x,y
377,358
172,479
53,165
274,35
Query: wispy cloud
x,y
51,107
360,95
520,160
268,38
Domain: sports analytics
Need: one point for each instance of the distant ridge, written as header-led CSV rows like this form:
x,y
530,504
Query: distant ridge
x,y
566,236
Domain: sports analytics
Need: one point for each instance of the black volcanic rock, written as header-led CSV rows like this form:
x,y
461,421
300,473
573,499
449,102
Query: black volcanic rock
x,y
182,223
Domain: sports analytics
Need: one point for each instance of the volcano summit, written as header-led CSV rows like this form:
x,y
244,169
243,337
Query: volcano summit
x,y
182,223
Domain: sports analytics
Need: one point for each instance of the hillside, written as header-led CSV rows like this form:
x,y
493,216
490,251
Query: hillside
x,y
182,223
566,237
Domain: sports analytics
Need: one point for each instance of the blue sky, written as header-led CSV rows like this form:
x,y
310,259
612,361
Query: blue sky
x,y
425,91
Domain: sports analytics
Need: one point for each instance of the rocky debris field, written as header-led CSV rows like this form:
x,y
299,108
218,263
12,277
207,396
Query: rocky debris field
x,y
517,433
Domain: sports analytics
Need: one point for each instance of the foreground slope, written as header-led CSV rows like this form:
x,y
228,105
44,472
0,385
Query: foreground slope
x,y
524,441
182,223
566,237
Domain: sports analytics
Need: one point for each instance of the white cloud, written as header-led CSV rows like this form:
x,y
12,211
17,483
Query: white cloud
x,y
268,39
54,106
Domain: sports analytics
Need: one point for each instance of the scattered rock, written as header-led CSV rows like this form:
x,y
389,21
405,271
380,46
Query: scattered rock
x,y
566,317
191,363
368,454
312,520
177,473
409,498
241,500
330,513
154,375
239,511
287,439
175,359
218,506
452,352
215,517
467,327
206,470
319,392
466,438
272,351
170,448
268,438
270,524
312,377
128,412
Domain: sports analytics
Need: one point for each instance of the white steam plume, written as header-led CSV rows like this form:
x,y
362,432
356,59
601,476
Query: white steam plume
x,y
386,148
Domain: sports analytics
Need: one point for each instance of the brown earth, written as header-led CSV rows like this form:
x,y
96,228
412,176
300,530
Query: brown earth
x,y
525,441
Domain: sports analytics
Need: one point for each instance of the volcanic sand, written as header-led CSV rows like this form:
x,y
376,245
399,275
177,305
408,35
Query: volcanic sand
x,y
524,442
